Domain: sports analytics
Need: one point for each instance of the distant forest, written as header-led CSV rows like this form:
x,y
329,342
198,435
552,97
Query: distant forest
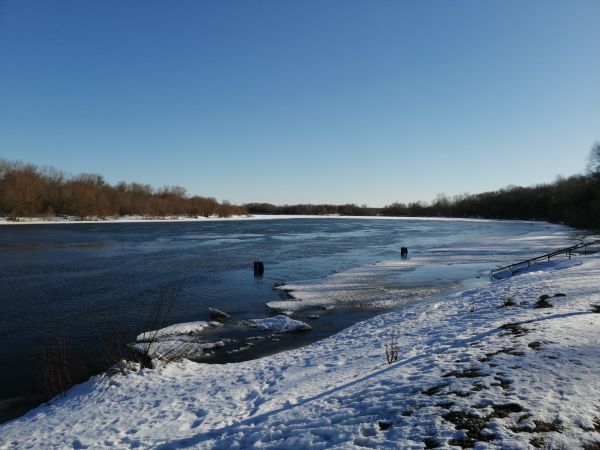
x,y
573,201
27,191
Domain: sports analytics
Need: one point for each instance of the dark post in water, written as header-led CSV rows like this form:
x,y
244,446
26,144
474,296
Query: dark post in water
x,y
259,268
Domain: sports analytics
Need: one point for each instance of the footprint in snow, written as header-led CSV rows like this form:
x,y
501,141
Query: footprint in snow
x,y
251,395
78,444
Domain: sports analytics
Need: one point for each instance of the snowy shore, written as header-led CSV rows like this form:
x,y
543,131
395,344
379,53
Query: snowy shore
x,y
470,372
61,220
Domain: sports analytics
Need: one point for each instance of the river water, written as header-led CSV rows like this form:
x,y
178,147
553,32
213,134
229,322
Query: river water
x,y
81,280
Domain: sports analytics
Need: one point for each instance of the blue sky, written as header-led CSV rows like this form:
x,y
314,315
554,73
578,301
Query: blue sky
x,y
307,101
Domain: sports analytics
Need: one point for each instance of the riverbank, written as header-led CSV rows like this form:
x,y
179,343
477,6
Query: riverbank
x,y
469,370
62,220
106,276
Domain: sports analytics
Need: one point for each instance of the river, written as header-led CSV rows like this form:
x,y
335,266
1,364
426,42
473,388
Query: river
x,y
82,280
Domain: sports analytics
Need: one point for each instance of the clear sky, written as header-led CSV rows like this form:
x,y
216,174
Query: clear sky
x,y
306,101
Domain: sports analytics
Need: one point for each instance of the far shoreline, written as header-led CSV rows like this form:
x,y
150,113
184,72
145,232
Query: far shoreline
x,y
60,220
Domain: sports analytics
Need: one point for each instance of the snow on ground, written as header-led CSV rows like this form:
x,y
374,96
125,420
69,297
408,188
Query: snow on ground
x,y
470,372
56,220
279,324
128,219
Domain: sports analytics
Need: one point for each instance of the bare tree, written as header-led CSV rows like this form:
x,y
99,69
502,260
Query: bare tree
x,y
26,190
593,164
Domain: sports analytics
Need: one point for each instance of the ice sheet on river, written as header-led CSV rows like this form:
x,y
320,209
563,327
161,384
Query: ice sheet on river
x,y
176,348
391,283
368,286
177,329
280,324
175,341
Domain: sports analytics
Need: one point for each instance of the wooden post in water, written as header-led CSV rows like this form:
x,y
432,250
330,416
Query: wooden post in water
x,y
259,268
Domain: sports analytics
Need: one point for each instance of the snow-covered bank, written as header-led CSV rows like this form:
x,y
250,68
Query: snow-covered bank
x,y
61,220
469,372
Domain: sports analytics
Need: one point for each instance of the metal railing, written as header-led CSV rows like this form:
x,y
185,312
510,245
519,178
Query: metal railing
x,y
568,251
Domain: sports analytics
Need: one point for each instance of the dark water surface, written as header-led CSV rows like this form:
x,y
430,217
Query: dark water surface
x,y
82,279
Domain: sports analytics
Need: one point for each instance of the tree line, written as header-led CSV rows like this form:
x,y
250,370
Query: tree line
x,y
309,209
28,191
573,201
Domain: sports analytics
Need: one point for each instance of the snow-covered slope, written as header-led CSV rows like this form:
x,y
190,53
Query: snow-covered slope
x,y
469,373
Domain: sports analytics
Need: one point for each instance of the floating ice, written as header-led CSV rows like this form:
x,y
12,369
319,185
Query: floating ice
x,y
280,324
177,329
